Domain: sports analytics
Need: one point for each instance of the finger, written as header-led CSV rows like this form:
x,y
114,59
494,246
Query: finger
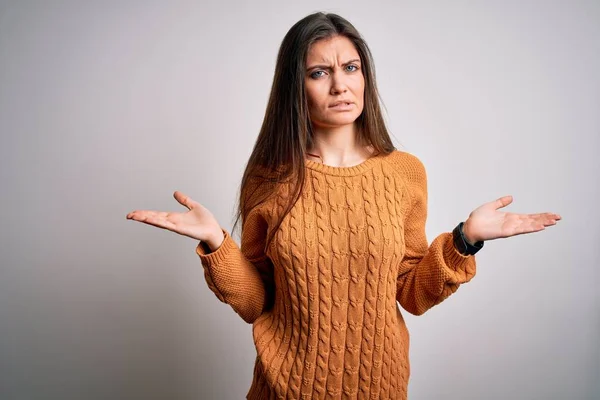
x,y
527,229
551,217
143,215
159,223
546,215
134,214
539,217
535,216
551,221
159,219
184,200
503,201
548,218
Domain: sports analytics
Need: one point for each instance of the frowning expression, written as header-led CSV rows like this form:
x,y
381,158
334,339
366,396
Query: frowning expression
x,y
334,82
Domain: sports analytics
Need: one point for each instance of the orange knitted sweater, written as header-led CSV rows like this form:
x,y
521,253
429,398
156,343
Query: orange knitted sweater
x,y
323,298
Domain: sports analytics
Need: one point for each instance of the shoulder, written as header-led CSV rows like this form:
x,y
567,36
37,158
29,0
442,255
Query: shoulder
x,y
408,165
412,172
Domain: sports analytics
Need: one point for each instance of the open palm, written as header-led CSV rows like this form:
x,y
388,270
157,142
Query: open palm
x,y
198,223
487,223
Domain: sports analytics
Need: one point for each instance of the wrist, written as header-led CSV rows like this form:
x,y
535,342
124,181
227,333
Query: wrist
x,y
462,244
466,228
215,240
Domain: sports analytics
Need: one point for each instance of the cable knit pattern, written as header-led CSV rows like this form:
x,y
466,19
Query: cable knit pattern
x,y
323,298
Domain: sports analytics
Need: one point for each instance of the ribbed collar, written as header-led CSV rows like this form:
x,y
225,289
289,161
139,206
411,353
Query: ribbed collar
x,y
345,171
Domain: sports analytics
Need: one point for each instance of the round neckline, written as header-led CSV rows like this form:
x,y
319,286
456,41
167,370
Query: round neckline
x,y
343,171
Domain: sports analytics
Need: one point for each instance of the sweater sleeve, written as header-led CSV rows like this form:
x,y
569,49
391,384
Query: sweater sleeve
x,y
427,274
241,276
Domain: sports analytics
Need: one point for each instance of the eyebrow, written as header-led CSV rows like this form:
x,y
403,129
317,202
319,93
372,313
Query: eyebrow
x,y
322,66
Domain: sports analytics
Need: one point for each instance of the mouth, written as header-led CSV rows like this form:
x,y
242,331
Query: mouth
x,y
341,104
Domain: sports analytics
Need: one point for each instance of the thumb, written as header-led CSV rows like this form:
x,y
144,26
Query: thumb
x,y
184,200
503,201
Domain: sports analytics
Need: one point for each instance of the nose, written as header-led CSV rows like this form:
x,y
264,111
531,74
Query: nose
x,y
338,83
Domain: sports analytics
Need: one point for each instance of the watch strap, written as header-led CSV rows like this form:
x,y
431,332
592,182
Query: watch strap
x,y
461,243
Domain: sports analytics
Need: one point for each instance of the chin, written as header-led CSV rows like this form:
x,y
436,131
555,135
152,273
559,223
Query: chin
x,y
341,120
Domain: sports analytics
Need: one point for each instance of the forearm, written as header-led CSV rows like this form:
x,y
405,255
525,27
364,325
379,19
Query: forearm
x,y
427,281
232,277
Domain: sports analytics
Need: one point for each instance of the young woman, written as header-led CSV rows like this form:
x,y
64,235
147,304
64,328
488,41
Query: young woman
x,y
333,230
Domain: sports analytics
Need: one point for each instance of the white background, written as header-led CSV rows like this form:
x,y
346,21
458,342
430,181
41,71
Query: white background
x,y
108,107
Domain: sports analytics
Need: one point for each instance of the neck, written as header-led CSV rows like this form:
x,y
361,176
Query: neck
x,y
338,146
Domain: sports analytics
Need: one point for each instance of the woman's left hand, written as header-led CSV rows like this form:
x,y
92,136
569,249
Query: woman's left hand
x,y
487,223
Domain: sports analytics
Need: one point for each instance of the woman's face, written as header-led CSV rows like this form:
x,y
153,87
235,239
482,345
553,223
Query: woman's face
x,y
334,82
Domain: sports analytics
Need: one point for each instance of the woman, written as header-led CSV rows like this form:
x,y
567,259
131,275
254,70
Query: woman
x,y
333,233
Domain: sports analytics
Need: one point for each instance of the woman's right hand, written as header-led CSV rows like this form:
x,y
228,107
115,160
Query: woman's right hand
x,y
198,223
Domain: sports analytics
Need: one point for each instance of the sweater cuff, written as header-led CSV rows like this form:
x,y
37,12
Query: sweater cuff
x,y
463,265
217,256
210,261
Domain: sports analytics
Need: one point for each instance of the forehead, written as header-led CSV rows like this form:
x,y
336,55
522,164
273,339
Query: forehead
x,y
337,48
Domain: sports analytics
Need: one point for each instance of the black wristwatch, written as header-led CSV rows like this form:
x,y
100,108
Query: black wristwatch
x,y
462,245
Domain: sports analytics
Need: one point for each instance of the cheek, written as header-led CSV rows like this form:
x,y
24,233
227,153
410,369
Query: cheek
x,y
361,87
316,97
312,95
312,98
359,90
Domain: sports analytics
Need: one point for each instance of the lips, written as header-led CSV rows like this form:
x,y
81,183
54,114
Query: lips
x,y
342,106
340,103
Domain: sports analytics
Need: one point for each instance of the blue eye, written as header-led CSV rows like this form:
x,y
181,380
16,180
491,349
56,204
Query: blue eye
x,y
318,74
315,76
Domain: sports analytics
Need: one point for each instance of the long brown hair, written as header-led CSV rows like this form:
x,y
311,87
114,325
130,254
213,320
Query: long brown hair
x,y
280,149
